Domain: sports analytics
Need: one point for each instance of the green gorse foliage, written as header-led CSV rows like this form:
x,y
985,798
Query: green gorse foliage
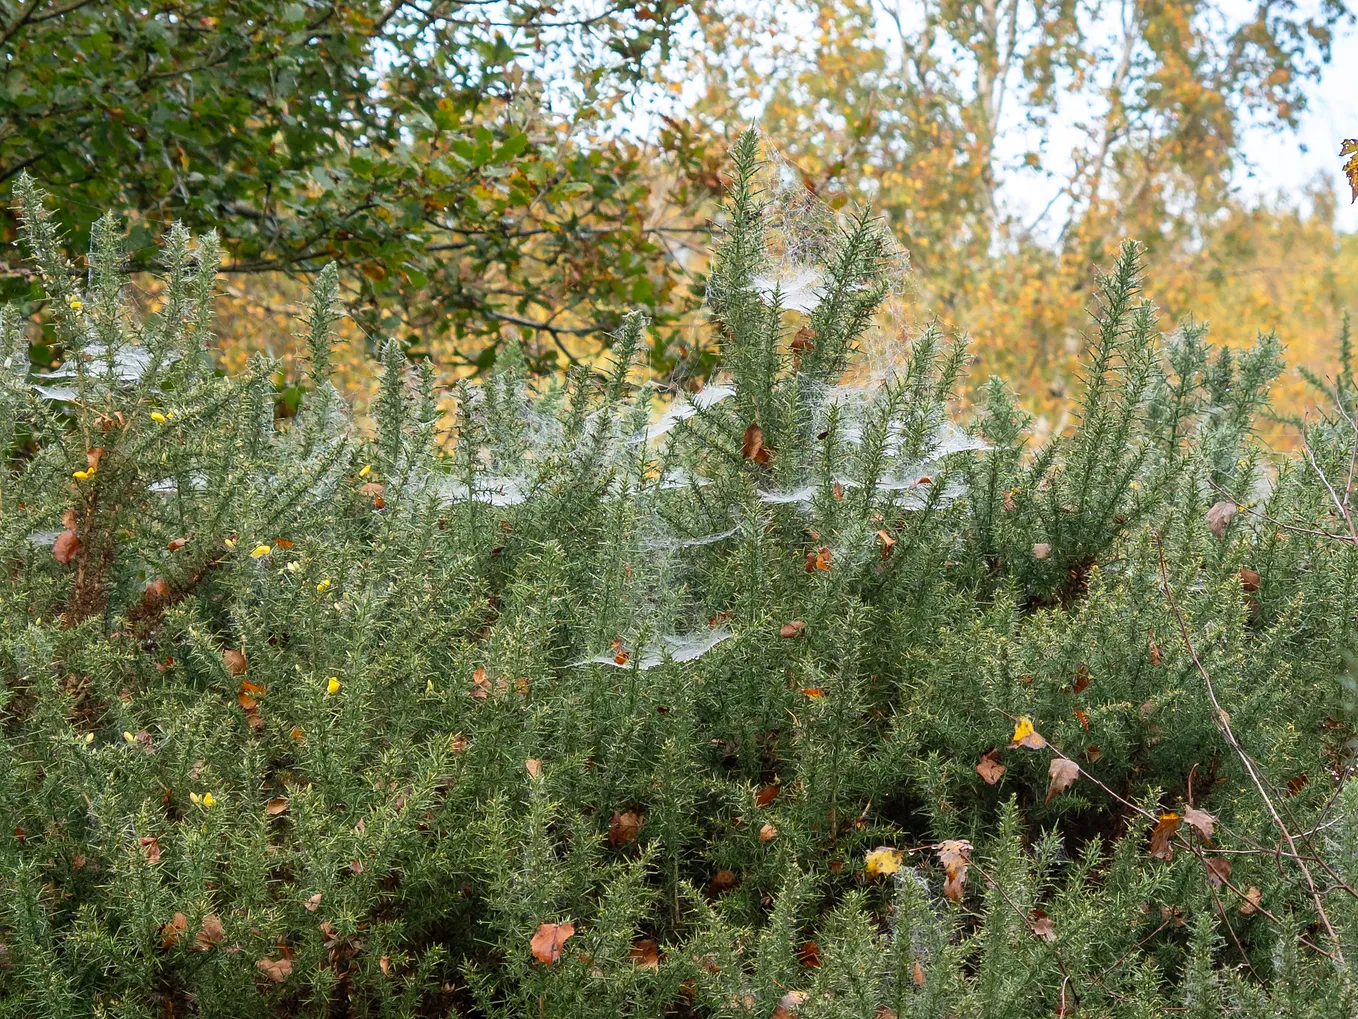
x,y
304,721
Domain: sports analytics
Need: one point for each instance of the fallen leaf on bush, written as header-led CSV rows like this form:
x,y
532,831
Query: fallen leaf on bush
x,y
888,543
1201,820
156,590
276,970
1083,718
1162,834
1249,580
1219,516
175,544
234,662
151,847
788,1004
644,954
815,693
275,806
722,881
1042,925
66,546
1218,870
1155,650
954,854
990,767
917,974
767,795
169,933
384,964
356,866
883,861
1026,736
752,447
1081,683
313,903
767,832
1296,784
548,940
1252,899
1063,775
480,684
623,828
818,560
1092,753
211,933
1041,550
809,954
792,629
534,767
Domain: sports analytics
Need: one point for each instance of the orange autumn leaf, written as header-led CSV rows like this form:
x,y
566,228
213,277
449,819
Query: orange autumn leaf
x,y
548,941
723,881
767,832
888,543
480,684
767,795
1163,834
170,932
1349,148
814,693
1253,897
818,560
809,954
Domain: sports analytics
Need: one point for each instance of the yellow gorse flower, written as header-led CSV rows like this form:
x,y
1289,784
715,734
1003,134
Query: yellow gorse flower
x,y
158,417
74,303
333,685
367,469
260,551
324,585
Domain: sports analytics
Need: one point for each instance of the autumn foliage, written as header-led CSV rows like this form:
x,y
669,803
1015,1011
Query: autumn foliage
x,y
795,697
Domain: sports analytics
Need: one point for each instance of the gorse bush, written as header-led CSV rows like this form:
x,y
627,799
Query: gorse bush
x,y
796,699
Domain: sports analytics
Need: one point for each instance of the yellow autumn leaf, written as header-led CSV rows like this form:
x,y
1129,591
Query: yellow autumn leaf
x,y
1025,735
882,861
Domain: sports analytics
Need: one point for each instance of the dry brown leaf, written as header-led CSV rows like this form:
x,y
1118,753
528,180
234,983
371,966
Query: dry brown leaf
x,y
1220,516
151,847
989,767
276,970
753,448
275,806
1063,774
722,881
1041,550
767,832
1081,683
234,662
170,932
623,828
1201,820
384,964
954,855
1042,925
313,903
210,933
644,954
767,795
1218,870
66,546
1163,834
175,544
1155,650
549,939
480,684
888,543
534,767
917,974
1249,580
1296,784
809,954
1252,899
793,629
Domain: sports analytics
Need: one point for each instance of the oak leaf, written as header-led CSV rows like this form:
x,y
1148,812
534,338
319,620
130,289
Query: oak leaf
x,y
990,768
623,828
1042,925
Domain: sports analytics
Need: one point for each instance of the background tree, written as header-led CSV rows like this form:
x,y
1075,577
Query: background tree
x,y
445,154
